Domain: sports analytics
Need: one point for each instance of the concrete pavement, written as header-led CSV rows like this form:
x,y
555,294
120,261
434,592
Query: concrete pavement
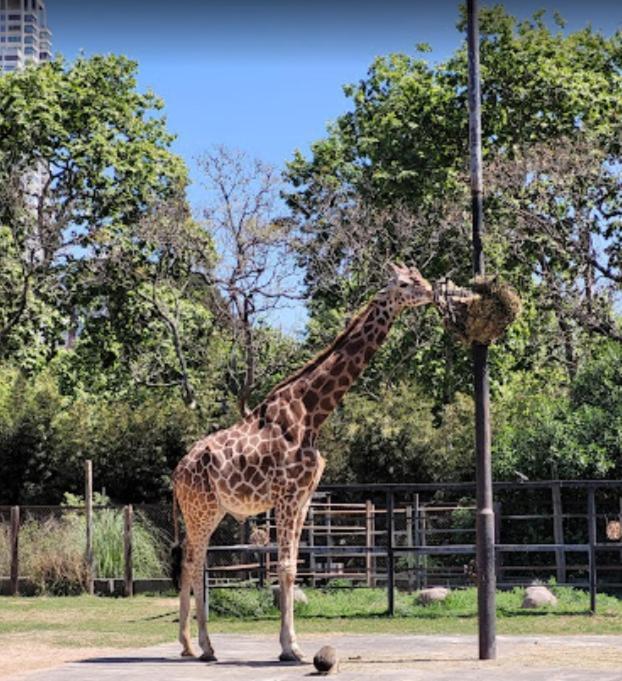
x,y
364,658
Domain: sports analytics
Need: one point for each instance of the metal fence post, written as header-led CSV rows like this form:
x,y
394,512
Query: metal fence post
x,y
311,541
88,511
423,537
558,533
369,543
410,560
417,541
498,554
128,582
328,521
591,528
390,556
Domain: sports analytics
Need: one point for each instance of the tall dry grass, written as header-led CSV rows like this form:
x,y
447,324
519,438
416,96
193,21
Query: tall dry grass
x,y
52,549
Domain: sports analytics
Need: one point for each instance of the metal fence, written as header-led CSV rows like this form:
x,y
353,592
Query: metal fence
x,y
411,536
389,536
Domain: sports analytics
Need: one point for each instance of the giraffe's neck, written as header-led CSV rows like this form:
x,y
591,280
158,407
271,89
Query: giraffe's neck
x,y
325,382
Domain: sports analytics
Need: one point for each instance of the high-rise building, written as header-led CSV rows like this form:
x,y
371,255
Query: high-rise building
x,y
24,34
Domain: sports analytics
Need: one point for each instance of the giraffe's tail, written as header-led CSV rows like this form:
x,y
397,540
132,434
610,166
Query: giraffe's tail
x,y
177,552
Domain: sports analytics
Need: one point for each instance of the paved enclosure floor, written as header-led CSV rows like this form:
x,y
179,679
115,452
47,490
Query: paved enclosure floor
x,y
363,658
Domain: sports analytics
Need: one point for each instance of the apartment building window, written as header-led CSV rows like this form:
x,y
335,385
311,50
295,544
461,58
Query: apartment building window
x,y
15,39
15,17
30,19
29,40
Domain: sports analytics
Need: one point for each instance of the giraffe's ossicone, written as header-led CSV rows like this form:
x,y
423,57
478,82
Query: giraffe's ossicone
x,y
269,460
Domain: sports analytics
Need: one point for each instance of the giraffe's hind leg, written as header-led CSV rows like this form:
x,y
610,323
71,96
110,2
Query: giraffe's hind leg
x,y
184,610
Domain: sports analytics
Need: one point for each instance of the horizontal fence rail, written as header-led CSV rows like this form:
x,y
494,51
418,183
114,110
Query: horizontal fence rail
x,y
405,536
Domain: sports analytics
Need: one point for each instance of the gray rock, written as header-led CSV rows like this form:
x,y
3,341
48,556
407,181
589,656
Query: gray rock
x,y
299,595
435,594
326,660
538,597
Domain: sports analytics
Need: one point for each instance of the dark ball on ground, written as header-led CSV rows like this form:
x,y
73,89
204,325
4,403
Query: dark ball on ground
x,y
326,660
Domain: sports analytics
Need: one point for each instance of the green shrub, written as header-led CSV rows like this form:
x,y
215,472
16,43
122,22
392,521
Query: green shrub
x,y
242,602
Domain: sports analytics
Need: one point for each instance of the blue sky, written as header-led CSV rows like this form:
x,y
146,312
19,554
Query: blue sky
x,y
266,77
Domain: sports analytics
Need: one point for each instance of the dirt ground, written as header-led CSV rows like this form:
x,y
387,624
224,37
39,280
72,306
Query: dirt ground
x,y
22,653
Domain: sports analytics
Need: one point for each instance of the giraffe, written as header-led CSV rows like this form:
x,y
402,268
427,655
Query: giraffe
x,y
269,459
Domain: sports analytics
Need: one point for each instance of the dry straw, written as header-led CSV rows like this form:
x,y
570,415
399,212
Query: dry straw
x,y
480,314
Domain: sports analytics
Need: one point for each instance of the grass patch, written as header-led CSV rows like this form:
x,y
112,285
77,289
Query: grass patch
x,y
145,620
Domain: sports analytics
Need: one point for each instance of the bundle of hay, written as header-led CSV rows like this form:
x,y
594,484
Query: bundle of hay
x,y
479,315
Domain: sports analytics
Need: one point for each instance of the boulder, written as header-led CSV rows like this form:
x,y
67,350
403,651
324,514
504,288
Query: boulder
x,y
326,660
299,595
538,597
434,594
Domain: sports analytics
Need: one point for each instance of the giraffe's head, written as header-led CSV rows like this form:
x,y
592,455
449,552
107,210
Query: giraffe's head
x,y
408,287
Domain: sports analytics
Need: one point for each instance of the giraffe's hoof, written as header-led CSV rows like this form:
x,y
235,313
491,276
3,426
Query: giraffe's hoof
x,y
187,652
208,657
293,655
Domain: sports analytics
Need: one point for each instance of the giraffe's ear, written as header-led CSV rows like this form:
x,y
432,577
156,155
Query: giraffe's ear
x,y
398,269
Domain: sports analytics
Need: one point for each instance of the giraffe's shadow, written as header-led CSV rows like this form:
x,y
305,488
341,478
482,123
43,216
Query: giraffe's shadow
x,y
146,659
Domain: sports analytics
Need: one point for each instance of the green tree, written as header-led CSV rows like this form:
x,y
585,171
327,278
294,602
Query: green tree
x,y
401,150
547,428
82,156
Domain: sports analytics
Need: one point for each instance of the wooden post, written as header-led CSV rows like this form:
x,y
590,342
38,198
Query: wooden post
x,y
390,557
370,567
312,562
14,550
498,554
88,511
486,582
558,533
410,559
591,528
128,582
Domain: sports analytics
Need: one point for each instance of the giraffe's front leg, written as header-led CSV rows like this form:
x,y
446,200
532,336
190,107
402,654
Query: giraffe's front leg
x,y
288,531
199,531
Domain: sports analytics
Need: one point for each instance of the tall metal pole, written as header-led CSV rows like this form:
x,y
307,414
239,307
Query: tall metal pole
x,y
486,580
